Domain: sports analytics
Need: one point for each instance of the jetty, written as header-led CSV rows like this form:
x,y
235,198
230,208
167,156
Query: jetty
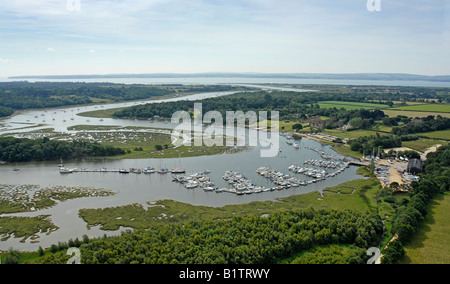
x,y
358,163
147,170
327,156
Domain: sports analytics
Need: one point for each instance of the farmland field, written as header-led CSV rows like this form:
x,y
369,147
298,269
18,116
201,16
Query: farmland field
x,y
445,108
350,105
413,114
431,244
421,144
352,134
443,134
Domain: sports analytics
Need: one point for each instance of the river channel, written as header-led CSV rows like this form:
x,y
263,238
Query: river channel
x,y
142,188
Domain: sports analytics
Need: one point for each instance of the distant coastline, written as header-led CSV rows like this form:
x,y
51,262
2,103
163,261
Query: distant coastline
x,y
355,76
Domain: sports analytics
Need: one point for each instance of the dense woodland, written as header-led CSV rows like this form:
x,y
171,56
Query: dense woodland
x,y
239,240
27,150
25,95
6,111
426,124
368,144
291,105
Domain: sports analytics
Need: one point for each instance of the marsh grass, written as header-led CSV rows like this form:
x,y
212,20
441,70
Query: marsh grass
x,y
25,227
357,194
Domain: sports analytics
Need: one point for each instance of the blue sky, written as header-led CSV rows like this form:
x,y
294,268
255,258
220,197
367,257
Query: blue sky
x,y
44,37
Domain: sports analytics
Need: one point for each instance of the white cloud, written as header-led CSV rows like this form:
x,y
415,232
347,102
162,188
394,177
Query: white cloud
x,y
32,7
274,35
5,60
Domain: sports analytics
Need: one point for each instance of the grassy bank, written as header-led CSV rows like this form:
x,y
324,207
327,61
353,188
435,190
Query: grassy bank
x,y
357,194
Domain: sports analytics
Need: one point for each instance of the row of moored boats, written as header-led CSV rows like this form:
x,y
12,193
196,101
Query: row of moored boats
x,y
148,170
197,180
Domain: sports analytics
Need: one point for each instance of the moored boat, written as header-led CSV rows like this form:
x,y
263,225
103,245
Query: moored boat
x,y
65,171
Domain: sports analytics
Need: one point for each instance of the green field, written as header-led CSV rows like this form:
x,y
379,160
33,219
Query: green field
x,y
350,105
445,108
102,113
352,134
346,151
431,244
413,114
421,144
443,134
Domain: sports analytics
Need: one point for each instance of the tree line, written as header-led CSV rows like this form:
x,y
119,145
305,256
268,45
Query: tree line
x,y
411,214
24,95
426,124
27,150
240,240
6,111
290,105
368,144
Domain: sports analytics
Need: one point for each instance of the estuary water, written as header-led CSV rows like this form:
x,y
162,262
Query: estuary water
x,y
142,188
247,80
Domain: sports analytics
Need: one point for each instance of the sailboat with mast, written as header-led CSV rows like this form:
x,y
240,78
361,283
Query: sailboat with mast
x,y
163,170
178,170
61,165
149,170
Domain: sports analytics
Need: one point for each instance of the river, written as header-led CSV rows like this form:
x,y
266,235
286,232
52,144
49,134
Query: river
x,y
142,188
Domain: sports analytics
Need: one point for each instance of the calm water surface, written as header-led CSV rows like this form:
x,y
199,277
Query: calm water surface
x,y
142,188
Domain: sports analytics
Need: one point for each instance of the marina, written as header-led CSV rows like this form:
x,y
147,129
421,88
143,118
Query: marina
x,y
200,179
147,170
241,184
138,181
282,180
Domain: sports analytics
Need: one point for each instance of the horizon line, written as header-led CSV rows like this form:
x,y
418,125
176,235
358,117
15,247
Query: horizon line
x,y
341,76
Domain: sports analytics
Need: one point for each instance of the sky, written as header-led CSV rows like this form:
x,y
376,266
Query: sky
x,y
79,37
